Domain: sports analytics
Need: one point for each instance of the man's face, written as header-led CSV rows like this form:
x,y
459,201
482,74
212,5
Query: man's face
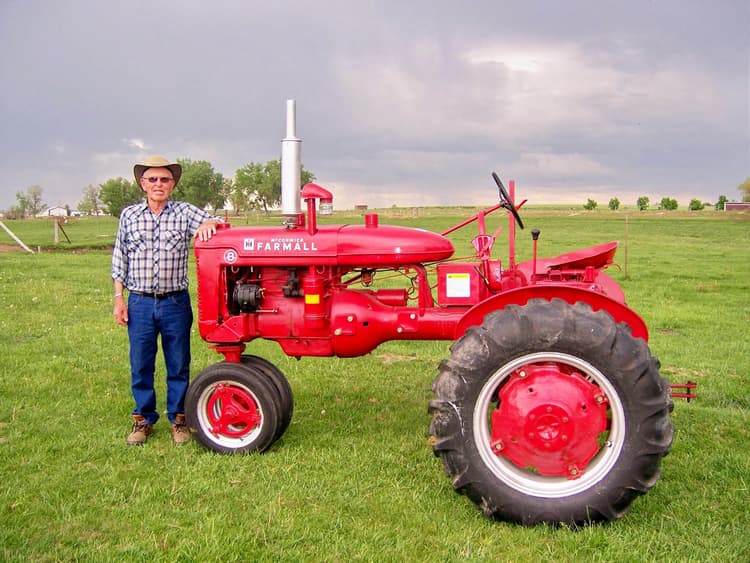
x,y
157,183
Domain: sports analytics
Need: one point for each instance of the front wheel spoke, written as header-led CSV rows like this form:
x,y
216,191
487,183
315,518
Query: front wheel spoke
x,y
231,411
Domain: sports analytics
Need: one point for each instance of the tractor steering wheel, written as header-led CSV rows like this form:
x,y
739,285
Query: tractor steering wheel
x,y
505,200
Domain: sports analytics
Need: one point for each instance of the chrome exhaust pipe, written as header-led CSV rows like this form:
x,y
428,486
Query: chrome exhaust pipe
x,y
291,164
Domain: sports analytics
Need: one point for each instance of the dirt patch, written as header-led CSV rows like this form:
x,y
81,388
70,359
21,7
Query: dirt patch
x,y
388,359
11,248
57,248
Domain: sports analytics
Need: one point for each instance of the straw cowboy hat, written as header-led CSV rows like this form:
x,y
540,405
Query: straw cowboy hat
x,y
157,161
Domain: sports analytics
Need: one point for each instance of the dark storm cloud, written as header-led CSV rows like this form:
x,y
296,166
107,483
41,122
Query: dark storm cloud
x,y
398,102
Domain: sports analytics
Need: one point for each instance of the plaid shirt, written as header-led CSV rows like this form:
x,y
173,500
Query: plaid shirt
x,y
151,251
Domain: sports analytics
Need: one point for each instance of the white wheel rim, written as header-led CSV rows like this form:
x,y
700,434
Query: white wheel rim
x,y
230,442
528,482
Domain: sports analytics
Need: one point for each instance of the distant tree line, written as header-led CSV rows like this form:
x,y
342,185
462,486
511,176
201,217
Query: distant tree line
x,y
255,186
667,203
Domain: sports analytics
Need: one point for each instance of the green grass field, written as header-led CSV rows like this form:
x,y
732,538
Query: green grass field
x,y
354,477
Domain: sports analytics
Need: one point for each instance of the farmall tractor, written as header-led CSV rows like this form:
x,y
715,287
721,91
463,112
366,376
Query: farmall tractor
x,y
550,406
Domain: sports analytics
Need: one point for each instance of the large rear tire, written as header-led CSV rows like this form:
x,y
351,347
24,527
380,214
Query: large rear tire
x,y
232,408
551,413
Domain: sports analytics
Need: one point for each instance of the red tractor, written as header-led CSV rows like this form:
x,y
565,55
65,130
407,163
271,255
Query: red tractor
x,y
550,407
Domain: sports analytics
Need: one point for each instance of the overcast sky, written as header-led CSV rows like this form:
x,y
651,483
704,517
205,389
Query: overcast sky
x,y
404,102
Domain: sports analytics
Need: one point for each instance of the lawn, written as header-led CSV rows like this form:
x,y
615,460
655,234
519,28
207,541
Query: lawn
x,y
354,477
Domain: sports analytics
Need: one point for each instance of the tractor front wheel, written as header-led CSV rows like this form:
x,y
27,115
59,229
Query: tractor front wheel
x,y
281,386
232,408
551,413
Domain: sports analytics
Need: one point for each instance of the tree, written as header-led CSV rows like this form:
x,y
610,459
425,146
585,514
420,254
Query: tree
x,y
642,203
118,193
695,205
91,201
246,180
227,186
30,202
269,193
15,212
259,185
217,191
744,189
719,206
199,184
590,205
614,204
668,204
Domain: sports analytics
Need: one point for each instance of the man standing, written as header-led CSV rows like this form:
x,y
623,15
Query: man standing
x,y
150,261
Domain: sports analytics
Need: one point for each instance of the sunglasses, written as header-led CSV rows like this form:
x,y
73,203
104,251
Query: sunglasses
x,y
162,179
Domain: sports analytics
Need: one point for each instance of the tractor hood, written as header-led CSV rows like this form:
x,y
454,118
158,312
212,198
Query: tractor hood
x,y
371,245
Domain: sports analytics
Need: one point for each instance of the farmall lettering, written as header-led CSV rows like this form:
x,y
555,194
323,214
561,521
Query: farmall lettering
x,y
279,244
544,344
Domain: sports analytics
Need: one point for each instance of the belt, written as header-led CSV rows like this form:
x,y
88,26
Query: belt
x,y
158,295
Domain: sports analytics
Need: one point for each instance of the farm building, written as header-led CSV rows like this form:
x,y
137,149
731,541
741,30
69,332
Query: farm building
x,y
56,211
735,206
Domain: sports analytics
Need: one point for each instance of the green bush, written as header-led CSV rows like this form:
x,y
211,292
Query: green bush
x,y
668,204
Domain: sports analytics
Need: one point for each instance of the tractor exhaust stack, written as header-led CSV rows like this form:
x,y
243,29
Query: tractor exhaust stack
x,y
290,164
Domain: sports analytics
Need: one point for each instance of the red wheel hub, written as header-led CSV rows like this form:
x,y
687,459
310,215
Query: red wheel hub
x,y
549,420
232,411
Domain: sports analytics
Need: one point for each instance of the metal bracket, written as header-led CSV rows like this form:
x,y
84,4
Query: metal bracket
x,y
686,391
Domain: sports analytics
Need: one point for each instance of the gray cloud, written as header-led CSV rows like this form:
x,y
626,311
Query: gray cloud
x,y
398,102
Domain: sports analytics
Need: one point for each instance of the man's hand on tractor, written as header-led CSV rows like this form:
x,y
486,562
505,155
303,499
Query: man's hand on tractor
x,y
206,230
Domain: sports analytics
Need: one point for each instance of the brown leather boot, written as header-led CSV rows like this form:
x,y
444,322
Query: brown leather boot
x,y
180,432
141,431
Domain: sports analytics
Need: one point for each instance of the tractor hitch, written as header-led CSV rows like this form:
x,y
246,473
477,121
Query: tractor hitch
x,y
685,391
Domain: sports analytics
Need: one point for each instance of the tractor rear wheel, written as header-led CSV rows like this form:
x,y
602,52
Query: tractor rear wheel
x,y
233,408
553,413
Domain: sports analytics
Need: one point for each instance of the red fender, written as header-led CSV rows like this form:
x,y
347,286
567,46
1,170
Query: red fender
x,y
620,313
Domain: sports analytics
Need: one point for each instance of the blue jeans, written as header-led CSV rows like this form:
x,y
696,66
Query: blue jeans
x,y
148,318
